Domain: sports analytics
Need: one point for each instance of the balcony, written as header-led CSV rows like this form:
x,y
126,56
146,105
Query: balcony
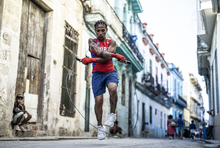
x,y
195,82
136,6
203,51
206,20
148,79
195,98
153,94
129,40
181,102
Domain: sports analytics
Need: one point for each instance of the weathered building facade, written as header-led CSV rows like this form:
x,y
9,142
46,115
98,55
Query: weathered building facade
x,y
208,31
151,87
176,93
192,95
38,46
39,41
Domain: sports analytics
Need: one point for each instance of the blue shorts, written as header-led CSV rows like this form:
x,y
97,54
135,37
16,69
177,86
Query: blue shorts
x,y
100,81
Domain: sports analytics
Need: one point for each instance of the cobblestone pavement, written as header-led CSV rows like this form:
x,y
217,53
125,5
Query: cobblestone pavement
x,y
111,143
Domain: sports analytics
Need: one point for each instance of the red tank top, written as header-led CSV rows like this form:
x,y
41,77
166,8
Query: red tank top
x,y
107,66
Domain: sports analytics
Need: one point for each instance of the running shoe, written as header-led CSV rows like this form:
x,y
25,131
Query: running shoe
x,y
101,132
16,128
111,120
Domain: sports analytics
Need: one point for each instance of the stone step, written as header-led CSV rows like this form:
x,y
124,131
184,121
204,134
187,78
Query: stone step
x,y
33,127
30,133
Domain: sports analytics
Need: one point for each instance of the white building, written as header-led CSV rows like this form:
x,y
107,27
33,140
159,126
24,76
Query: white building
x,y
192,94
151,87
208,27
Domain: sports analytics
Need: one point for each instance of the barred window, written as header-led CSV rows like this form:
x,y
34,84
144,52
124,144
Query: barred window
x,y
70,52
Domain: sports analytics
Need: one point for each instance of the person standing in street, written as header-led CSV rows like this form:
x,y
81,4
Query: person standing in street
x,y
192,128
209,130
171,126
103,74
180,123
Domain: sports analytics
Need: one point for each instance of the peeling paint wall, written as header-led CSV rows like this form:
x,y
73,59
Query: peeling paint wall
x,y
56,13
9,47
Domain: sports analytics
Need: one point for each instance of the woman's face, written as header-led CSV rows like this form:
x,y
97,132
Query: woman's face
x,y
101,31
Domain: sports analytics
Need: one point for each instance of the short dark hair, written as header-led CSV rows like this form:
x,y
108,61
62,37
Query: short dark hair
x,y
100,22
170,117
192,121
19,96
180,116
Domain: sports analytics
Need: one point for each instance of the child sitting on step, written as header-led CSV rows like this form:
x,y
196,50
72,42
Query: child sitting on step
x,y
20,115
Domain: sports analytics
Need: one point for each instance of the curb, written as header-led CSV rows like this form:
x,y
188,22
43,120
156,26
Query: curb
x,y
47,139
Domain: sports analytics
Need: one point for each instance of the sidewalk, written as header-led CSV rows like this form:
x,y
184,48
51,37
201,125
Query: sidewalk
x,y
214,142
48,138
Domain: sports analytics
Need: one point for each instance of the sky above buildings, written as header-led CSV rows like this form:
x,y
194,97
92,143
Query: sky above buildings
x,y
174,25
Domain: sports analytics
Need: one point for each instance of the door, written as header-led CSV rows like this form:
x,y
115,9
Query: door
x,y
31,61
130,129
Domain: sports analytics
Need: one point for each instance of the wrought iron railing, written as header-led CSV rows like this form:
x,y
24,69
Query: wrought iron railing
x,y
180,98
148,78
201,46
129,40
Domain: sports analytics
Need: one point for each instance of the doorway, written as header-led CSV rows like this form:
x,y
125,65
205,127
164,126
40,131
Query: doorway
x,y
30,73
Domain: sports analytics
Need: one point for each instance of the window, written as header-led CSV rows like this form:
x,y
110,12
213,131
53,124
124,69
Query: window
x,y
125,15
131,25
155,111
150,114
174,87
150,67
161,119
70,52
165,121
217,83
123,90
167,86
161,79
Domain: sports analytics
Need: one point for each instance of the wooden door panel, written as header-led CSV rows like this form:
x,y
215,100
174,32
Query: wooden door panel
x,y
20,84
35,31
31,44
33,74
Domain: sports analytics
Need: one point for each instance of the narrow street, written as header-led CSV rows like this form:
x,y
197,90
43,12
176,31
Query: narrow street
x,y
111,143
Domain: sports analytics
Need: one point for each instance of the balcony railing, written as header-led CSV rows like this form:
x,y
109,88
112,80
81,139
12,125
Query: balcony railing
x,y
201,46
148,78
180,98
129,40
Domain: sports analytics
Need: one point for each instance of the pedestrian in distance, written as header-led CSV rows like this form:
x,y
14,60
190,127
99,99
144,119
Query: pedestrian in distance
x,y
209,130
20,115
181,125
171,126
192,128
104,74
